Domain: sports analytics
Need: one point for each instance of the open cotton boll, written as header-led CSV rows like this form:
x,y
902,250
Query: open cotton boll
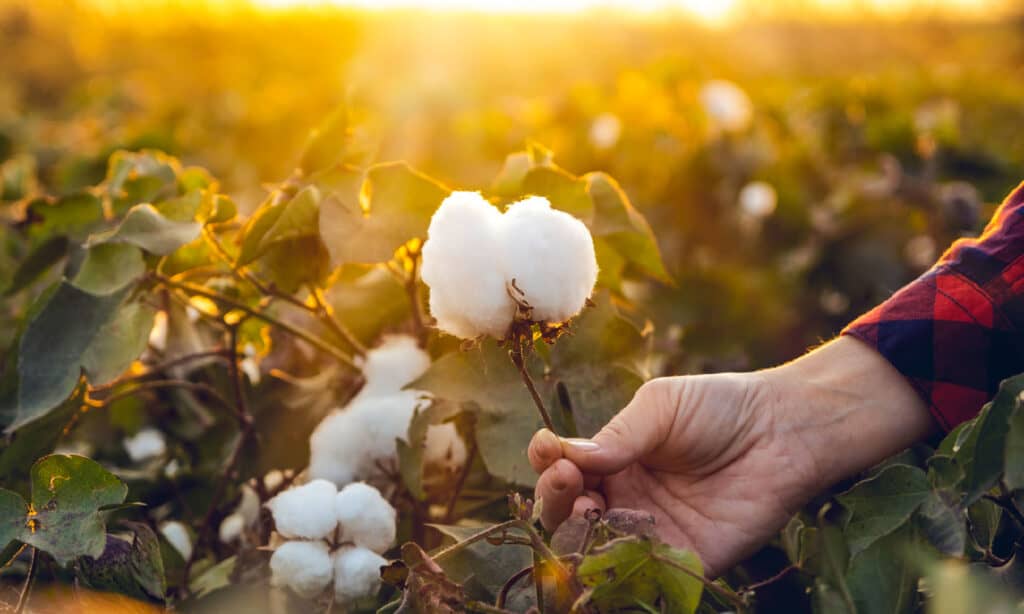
x,y
177,536
304,567
444,446
550,256
248,505
462,268
158,334
146,444
366,517
393,364
758,199
231,528
350,443
356,573
727,105
305,511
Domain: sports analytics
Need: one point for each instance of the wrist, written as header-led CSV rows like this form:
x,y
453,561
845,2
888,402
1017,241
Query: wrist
x,y
847,408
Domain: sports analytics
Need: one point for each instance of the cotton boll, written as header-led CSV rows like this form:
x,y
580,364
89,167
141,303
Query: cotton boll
x,y
146,444
366,517
605,131
305,511
177,536
462,268
350,443
231,528
158,334
393,364
444,446
273,479
758,199
356,573
727,105
549,254
304,567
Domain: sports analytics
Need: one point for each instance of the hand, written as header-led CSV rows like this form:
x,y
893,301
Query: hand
x,y
723,461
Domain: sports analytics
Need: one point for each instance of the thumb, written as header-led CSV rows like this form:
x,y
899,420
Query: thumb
x,y
634,432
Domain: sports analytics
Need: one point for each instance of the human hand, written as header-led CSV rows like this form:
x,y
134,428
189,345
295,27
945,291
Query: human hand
x,y
723,461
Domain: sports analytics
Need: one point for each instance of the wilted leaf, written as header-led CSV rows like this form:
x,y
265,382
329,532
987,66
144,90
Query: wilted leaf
x,y
481,565
881,504
147,228
132,568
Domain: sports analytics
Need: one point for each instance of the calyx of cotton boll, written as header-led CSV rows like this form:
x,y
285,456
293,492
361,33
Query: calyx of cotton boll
x,y
146,444
365,516
305,511
484,267
351,443
396,362
177,536
356,573
304,567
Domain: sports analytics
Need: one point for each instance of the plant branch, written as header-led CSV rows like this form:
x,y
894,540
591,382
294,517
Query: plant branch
x,y
460,482
785,571
1005,501
172,383
26,588
518,359
256,313
412,289
507,586
162,366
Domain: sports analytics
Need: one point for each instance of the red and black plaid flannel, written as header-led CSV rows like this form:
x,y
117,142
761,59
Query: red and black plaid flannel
x,y
958,330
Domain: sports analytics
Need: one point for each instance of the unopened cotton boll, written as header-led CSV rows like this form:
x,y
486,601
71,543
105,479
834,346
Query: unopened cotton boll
x,y
393,364
356,573
350,443
304,567
305,511
444,446
146,444
758,199
462,268
366,517
727,105
549,255
177,536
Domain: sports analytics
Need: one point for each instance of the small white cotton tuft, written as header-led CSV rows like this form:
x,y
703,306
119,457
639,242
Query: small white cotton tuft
x,y
177,536
352,443
605,131
758,199
356,573
305,511
444,447
146,444
549,255
158,334
462,268
728,106
366,517
393,364
304,567
231,528
248,505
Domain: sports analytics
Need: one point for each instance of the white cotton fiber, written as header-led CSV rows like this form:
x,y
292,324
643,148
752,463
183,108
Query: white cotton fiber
x,y
444,447
473,254
158,334
728,106
305,511
352,443
550,256
462,268
231,528
393,364
146,444
304,567
758,199
365,516
356,573
177,536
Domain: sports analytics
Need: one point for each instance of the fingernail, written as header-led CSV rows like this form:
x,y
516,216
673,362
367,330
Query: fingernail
x,y
583,445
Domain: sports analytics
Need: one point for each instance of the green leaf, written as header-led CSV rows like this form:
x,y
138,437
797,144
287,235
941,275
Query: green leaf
x,y
411,449
73,216
1014,455
64,519
482,566
395,205
880,505
623,227
831,561
281,223
987,447
140,177
38,262
325,145
882,578
25,445
984,516
565,191
109,267
631,571
147,228
51,349
184,208
942,523
131,568
214,578
118,343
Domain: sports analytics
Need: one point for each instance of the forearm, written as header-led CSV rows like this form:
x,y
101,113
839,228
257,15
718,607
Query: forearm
x,y
848,407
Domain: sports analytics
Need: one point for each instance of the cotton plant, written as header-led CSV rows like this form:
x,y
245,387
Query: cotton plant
x,y
331,536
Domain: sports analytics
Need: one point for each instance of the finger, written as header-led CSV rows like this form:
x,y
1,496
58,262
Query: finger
x,y
591,500
544,449
557,489
591,481
636,430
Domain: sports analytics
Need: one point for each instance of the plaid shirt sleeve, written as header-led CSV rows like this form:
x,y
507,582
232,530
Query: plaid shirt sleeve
x,y
958,330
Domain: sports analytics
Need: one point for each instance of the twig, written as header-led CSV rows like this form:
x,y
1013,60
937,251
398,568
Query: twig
x,y
173,383
516,353
1005,501
507,586
412,289
753,587
162,366
26,588
256,313
449,513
